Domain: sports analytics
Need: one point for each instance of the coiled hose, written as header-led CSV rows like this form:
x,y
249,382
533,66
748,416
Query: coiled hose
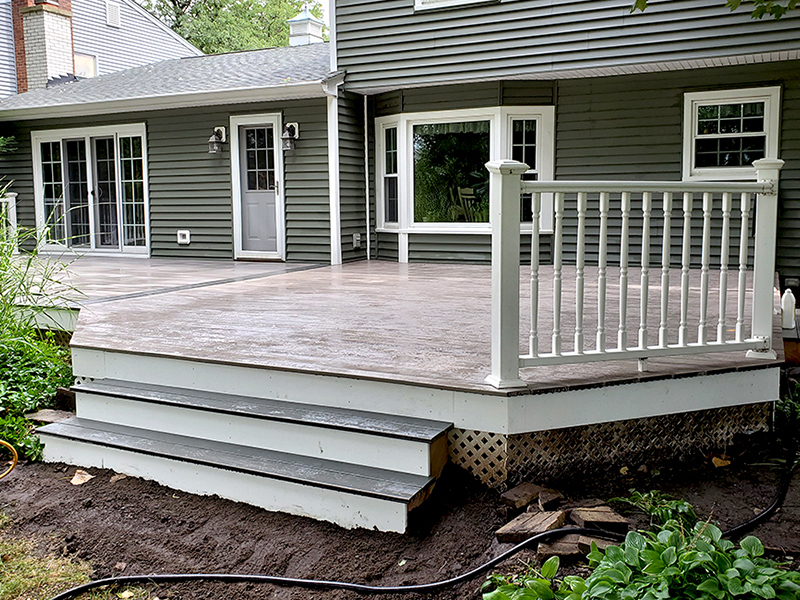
x,y
404,589
14,458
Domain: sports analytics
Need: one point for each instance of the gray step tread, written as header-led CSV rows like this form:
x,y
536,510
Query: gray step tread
x,y
315,472
407,428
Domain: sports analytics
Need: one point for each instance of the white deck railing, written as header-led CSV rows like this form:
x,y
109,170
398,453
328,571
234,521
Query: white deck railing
x,y
651,339
8,217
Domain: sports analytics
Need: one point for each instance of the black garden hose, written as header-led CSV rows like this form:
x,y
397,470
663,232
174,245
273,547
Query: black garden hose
x,y
403,589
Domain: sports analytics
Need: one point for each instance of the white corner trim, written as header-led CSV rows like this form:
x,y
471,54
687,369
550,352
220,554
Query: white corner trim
x,y
333,180
236,121
770,96
332,29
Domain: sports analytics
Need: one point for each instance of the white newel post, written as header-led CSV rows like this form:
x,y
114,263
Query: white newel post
x,y
10,209
767,170
504,210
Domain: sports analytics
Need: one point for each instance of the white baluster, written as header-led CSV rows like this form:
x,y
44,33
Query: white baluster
x,y
601,273
727,202
533,338
744,208
705,260
579,271
622,335
666,242
557,259
686,259
647,203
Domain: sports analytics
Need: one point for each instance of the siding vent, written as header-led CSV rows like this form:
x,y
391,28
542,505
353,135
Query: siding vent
x,y
112,14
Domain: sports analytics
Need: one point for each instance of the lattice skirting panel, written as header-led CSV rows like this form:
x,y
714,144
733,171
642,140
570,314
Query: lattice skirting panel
x,y
495,459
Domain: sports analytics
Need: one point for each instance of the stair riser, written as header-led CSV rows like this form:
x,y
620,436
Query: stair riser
x,y
405,456
484,412
347,510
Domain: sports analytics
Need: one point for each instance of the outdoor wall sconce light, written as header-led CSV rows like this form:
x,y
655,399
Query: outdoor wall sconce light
x,y
291,132
216,140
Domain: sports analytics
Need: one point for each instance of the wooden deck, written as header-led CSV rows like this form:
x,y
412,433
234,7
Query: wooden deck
x,y
424,324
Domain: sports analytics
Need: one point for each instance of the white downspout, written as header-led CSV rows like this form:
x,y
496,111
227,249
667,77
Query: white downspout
x,y
366,177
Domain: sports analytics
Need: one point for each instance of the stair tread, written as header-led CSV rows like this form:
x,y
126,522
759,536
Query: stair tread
x,y
355,479
409,428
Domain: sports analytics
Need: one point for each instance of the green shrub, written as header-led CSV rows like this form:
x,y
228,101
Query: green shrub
x,y
661,508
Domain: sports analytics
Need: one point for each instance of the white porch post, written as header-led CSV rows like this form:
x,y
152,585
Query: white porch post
x,y
504,209
767,170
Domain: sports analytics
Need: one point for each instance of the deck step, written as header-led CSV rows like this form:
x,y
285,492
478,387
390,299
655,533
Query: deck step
x,y
351,495
397,443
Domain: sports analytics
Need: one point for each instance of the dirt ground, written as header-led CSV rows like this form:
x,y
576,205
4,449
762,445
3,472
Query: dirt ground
x,y
152,529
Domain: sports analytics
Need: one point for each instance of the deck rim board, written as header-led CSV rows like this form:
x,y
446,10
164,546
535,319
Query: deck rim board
x,y
377,483
358,421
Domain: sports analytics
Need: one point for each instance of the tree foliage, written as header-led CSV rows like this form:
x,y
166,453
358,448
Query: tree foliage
x,y
217,26
773,8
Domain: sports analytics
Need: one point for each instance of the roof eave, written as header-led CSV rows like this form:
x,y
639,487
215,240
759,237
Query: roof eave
x,y
291,91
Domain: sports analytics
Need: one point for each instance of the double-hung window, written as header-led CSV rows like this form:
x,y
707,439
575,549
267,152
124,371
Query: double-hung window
x,y
725,131
431,168
91,188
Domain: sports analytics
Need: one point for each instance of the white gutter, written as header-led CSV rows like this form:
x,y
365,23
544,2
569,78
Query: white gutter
x,y
290,91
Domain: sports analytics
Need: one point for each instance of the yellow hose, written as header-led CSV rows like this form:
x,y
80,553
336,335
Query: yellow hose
x,y
14,459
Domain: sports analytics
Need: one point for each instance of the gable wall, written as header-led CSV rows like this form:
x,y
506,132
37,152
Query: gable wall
x,y
191,189
384,43
138,40
8,71
616,128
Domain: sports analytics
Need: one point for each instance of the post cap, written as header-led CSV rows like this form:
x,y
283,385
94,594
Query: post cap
x,y
768,163
506,167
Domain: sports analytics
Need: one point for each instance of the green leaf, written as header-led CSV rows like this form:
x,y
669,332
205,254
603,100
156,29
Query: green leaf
x,y
744,564
752,545
710,586
735,587
600,588
669,556
631,555
496,595
732,574
615,554
654,568
550,567
636,540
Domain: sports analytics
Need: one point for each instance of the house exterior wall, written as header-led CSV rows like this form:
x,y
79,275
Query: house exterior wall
x,y
387,44
626,127
48,44
139,39
8,71
352,200
191,189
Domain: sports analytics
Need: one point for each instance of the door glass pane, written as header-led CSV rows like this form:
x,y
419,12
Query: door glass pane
x,y
53,191
105,194
133,209
77,200
260,159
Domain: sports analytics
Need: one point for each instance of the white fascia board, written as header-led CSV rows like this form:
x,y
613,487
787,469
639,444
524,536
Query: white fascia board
x,y
315,89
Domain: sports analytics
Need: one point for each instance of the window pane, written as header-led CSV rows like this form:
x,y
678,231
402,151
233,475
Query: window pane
x,y
450,177
730,110
390,199
753,124
730,134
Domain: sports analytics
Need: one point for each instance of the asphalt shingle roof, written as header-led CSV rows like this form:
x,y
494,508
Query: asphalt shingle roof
x,y
255,69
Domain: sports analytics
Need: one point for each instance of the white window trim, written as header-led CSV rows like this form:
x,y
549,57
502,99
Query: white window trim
x,y
771,96
433,4
86,133
236,121
500,119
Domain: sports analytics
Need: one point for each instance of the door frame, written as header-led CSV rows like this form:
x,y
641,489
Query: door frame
x,y
237,121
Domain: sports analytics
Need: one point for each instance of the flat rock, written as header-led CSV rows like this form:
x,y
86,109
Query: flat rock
x,y
565,546
522,495
549,499
601,517
585,544
529,524
48,415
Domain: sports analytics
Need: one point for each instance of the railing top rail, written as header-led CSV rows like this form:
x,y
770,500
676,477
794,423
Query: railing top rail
x,y
675,187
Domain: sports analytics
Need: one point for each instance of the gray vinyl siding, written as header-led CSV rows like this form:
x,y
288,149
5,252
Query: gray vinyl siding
x,y
139,40
191,189
468,248
385,44
8,67
352,201
626,127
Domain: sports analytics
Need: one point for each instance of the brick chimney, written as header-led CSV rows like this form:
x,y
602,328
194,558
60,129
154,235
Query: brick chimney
x,y
42,41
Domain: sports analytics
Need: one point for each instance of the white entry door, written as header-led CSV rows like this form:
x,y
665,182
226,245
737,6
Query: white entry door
x,y
256,168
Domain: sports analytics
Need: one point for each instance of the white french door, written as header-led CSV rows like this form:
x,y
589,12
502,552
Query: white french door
x,y
91,189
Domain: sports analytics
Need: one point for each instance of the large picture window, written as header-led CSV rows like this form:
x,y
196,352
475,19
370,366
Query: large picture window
x,y
91,188
725,131
431,168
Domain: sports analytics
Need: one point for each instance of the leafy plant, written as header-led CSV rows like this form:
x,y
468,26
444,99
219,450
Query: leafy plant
x,y
761,8
529,585
661,508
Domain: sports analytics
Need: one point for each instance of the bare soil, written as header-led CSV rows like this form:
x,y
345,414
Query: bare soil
x,y
133,526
